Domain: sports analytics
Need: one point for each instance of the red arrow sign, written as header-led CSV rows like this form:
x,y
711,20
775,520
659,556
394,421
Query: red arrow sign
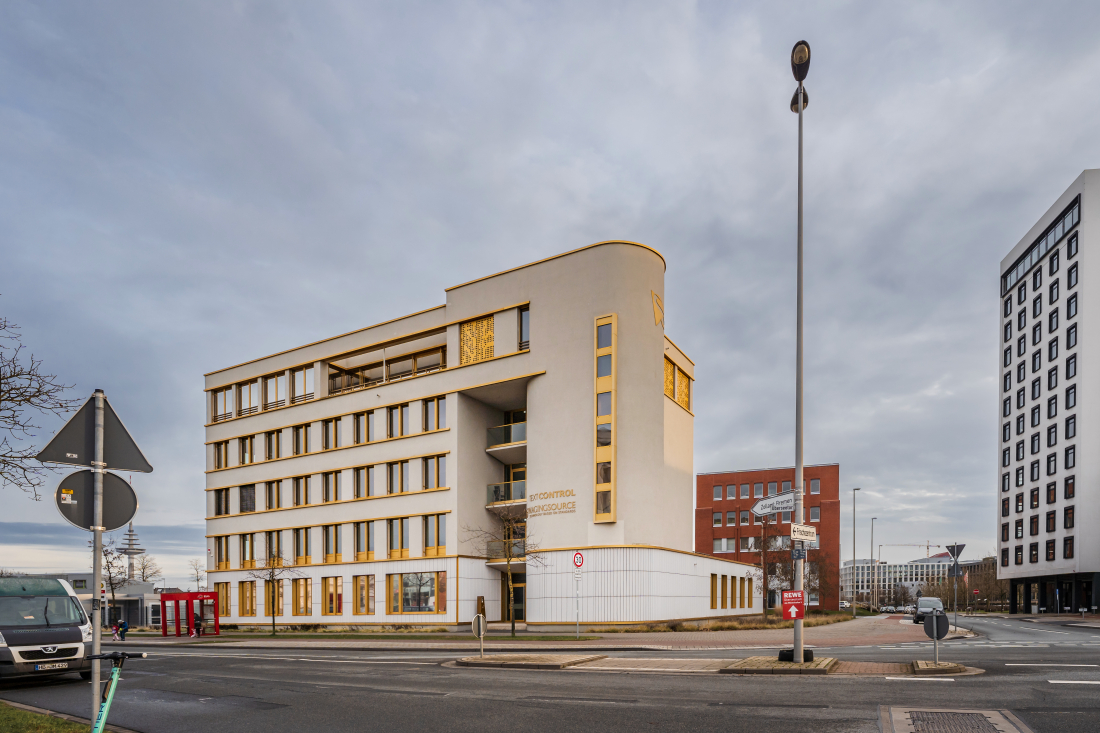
x,y
794,604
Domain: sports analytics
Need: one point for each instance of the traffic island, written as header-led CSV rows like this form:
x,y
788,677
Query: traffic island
x,y
529,661
921,667
771,665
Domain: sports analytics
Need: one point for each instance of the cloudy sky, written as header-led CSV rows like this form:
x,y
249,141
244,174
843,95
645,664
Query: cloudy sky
x,y
186,186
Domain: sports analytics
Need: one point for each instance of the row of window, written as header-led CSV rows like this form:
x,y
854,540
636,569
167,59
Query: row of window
x,y
1052,440
1052,468
605,418
405,593
265,393
1052,491
1036,413
1033,552
1062,226
362,537
367,427
1051,524
731,517
754,543
367,481
388,370
731,590
757,489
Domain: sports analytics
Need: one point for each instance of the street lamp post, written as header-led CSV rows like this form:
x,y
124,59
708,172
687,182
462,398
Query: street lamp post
x,y
800,65
874,569
854,551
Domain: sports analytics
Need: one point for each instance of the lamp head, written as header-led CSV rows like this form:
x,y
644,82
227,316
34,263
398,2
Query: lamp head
x,y
805,100
800,60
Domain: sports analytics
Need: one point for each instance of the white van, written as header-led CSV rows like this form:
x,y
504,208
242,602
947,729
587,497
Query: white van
x,y
43,629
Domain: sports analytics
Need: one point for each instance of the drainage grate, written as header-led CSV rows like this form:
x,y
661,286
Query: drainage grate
x,y
929,722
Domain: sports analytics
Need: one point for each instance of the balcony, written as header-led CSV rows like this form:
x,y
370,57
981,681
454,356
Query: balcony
x,y
508,443
508,498
497,549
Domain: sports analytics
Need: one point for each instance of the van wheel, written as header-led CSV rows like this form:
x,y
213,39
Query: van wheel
x,y
86,675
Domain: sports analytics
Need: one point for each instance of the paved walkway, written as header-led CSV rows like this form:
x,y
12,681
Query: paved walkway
x,y
864,631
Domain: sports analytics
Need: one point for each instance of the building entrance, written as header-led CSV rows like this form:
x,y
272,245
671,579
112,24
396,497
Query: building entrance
x,y
519,596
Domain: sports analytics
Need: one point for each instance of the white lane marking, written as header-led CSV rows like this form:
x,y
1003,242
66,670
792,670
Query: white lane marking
x,y
290,659
1074,682
1044,664
923,679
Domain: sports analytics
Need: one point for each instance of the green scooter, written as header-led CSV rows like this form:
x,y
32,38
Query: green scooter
x,y
117,660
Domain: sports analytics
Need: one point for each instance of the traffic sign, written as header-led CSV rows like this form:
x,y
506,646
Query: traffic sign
x,y
479,626
803,533
794,604
798,553
74,444
74,500
955,551
773,504
936,625
975,591
578,559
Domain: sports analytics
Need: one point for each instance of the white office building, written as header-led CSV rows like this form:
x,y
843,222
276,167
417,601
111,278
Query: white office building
x,y
373,463
1047,487
876,579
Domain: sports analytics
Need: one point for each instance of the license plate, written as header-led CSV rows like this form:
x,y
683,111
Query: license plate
x,y
55,665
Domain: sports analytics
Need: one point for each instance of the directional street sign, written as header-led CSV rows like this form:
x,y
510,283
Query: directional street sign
x,y
794,604
803,533
74,443
773,504
74,500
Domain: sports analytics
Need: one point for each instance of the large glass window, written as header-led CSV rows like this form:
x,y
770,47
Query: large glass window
x,y
398,530
331,483
332,596
363,592
302,591
302,384
398,477
418,592
435,535
274,391
435,472
248,498
301,491
221,403
435,413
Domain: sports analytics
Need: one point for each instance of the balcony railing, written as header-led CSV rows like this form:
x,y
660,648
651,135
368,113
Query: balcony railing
x,y
508,491
497,548
505,434
388,370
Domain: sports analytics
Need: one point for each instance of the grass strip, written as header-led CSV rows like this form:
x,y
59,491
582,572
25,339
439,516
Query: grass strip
x,y
24,721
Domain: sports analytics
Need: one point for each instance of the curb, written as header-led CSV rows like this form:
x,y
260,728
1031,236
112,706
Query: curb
x,y
827,664
63,716
478,662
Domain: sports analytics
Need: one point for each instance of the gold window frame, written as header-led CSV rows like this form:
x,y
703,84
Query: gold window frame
x,y
605,453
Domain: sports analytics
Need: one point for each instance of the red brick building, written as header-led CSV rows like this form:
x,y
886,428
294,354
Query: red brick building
x,y
726,527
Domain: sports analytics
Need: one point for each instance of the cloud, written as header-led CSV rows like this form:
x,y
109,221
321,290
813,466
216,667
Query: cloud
x,y
189,186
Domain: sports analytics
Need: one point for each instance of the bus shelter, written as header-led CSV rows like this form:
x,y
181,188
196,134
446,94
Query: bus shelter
x,y
194,606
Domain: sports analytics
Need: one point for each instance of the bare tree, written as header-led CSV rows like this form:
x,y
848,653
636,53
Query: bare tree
x,y
5,573
24,389
148,570
506,539
114,568
198,571
271,570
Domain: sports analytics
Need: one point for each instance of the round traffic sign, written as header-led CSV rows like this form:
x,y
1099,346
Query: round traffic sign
x,y
74,500
578,559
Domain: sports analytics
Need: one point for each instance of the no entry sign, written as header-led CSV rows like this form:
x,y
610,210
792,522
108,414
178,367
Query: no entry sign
x,y
794,604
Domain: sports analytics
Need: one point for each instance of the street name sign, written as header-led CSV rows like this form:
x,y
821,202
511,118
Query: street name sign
x,y
773,504
794,604
803,533
74,500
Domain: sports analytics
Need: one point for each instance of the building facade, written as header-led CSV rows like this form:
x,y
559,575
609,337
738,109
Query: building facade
x,y
375,468
726,527
875,581
1047,487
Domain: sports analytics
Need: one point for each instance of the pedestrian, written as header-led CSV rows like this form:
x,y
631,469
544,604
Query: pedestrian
x,y
114,631
123,627
198,625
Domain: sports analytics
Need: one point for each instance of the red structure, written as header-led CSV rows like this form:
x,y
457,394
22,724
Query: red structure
x,y
725,526
189,600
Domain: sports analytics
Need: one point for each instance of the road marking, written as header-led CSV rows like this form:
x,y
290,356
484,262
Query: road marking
x,y
923,679
291,659
1043,664
1074,682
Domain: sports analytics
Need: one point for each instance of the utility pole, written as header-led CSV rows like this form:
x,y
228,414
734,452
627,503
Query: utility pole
x,y
98,467
854,551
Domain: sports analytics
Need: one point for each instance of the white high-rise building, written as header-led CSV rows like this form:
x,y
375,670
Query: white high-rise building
x,y
1048,504
374,463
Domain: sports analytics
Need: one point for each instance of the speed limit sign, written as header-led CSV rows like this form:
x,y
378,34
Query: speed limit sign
x,y
578,559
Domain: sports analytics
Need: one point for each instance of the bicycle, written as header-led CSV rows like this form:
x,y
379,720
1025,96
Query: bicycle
x,y
117,660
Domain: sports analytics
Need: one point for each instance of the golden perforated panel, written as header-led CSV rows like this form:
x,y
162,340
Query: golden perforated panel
x,y
475,340
683,390
670,379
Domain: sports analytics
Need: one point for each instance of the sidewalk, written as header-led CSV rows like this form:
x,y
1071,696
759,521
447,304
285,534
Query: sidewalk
x,y
865,631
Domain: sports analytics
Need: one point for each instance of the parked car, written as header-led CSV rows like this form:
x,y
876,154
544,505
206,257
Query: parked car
x,y
924,607
43,629
887,609
845,604
910,608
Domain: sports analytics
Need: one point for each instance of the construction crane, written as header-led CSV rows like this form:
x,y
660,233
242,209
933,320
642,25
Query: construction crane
x,y
926,545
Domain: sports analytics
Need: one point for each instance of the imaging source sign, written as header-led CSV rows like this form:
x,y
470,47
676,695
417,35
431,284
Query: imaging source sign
x,y
545,503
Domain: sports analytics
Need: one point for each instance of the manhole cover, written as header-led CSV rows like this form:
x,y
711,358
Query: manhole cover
x,y
926,722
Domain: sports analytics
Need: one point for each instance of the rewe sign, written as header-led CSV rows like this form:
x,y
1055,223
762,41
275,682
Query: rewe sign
x,y
794,604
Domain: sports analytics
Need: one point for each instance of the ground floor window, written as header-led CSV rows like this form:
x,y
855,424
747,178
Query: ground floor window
x,y
247,598
273,598
363,592
417,592
332,596
302,591
222,589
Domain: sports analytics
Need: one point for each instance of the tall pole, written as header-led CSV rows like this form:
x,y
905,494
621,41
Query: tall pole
x,y
97,547
798,564
874,569
854,551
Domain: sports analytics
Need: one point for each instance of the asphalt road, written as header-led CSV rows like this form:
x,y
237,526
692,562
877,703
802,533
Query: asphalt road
x,y
213,689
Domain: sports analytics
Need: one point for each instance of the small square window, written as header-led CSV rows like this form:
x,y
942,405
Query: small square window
x,y
815,486
758,491
717,519
1052,492
1071,306
731,519
717,493
744,517
1067,548
1071,427
1050,550
1071,278
603,472
603,404
603,336
815,514
603,366
745,491
1070,491
731,491
603,435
